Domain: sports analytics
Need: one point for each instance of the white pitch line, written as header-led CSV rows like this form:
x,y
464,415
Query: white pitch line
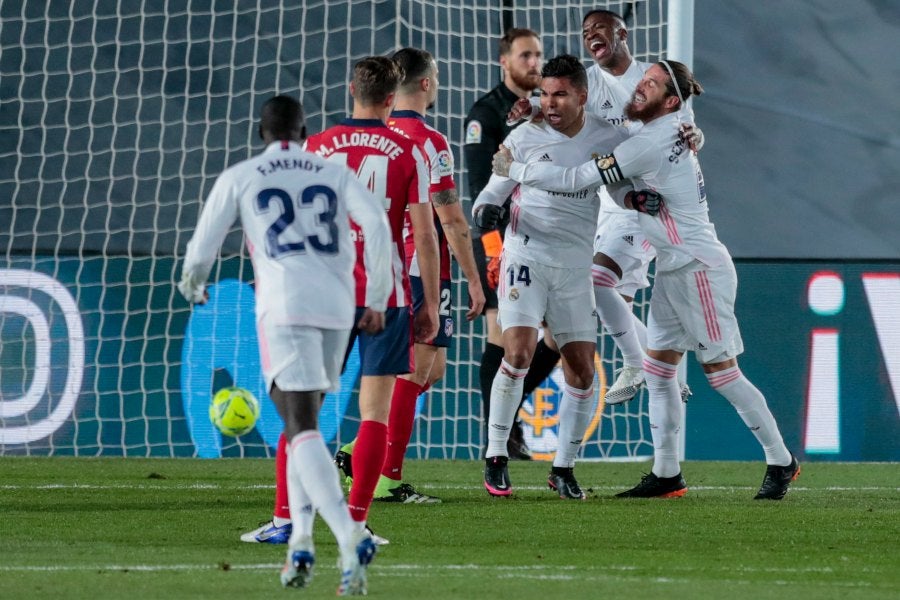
x,y
214,486
541,572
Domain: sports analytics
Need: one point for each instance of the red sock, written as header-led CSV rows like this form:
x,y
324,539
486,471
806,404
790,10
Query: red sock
x,y
282,509
400,426
368,457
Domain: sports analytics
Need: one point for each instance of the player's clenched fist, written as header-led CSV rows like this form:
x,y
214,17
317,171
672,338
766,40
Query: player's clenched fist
x,y
646,201
371,322
488,216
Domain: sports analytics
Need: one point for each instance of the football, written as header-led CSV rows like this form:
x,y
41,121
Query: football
x,y
234,411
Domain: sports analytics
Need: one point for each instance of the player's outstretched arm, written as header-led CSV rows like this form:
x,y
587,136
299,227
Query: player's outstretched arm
x,y
425,240
456,228
216,218
546,176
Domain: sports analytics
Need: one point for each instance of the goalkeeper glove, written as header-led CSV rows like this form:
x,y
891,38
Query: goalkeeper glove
x,y
488,216
646,201
493,272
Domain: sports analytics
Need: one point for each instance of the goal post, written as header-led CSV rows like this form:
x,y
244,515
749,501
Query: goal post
x,y
117,117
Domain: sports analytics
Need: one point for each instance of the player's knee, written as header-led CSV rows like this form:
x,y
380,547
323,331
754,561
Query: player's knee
x,y
604,277
520,358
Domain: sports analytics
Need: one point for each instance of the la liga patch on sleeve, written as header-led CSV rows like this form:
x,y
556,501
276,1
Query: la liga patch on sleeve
x,y
473,132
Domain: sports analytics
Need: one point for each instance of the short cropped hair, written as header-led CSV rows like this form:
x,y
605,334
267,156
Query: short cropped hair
x,y
512,35
568,66
375,78
415,62
281,116
606,13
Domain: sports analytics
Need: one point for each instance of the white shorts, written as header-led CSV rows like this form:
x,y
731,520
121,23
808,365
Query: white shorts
x,y
300,358
692,309
530,293
619,236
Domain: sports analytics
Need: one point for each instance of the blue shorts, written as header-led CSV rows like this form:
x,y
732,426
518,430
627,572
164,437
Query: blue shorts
x,y
445,310
387,352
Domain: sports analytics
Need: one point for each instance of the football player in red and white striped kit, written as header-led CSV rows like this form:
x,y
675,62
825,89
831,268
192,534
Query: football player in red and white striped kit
x,y
395,169
416,95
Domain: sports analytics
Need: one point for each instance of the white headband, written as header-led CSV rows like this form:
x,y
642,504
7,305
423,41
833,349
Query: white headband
x,y
665,63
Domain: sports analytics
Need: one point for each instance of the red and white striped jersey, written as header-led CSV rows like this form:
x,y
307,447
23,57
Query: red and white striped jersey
x,y
440,165
395,170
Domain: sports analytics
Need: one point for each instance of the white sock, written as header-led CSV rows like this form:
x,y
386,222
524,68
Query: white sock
x,y
751,406
506,393
310,467
640,328
665,408
303,514
574,418
616,316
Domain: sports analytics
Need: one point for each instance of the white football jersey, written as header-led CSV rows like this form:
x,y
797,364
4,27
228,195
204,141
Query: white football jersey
x,y
607,97
294,209
653,158
555,228
656,158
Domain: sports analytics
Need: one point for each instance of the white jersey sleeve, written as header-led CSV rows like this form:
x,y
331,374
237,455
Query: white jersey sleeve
x,y
553,178
218,215
495,192
366,211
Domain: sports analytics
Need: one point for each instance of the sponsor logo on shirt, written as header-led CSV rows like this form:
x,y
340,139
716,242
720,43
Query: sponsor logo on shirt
x,y
545,158
473,132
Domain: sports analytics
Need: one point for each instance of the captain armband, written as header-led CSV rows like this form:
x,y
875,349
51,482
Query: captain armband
x,y
609,169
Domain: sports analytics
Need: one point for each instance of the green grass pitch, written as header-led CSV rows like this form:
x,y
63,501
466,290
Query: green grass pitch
x,y
169,528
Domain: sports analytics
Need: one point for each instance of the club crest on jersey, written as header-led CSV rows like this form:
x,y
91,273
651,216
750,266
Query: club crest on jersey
x,y
514,294
473,132
448,327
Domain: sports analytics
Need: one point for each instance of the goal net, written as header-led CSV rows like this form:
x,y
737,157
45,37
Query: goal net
x,y
116,119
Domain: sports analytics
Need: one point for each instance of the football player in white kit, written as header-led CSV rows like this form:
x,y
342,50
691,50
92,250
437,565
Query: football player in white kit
x,y
294,208
692,308
545,271
622,253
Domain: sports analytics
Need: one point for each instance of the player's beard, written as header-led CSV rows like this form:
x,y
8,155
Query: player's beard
x,y
644,113
526,81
